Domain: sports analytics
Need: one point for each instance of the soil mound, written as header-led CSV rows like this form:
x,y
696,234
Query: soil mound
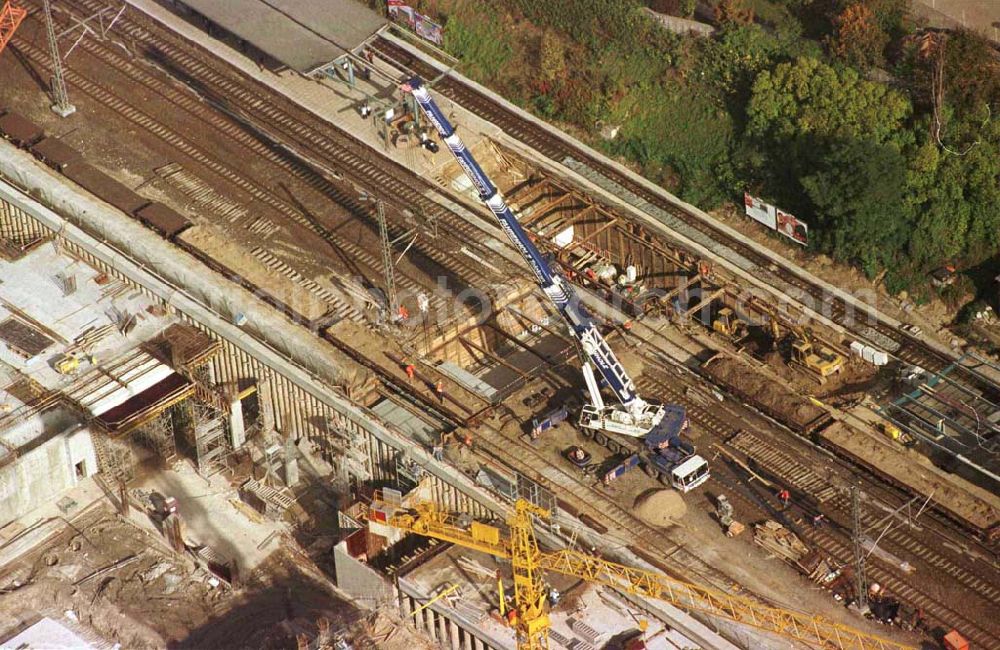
x,y
661,508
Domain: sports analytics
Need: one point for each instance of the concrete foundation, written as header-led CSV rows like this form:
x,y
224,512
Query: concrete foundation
x,y
46,467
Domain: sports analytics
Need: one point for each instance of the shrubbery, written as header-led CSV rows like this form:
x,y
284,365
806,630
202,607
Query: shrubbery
x,y
899,176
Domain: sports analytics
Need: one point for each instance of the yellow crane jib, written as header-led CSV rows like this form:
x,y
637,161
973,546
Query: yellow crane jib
x,y
529,564
521,547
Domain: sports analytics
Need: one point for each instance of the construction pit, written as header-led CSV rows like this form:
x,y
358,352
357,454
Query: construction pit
x,y
306,246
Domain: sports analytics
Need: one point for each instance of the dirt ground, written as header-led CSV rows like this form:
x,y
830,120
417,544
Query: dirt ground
x,y
103,575
772,397
695,527
151,599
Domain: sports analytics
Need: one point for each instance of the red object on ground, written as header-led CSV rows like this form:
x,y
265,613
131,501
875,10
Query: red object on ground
x,y
955,641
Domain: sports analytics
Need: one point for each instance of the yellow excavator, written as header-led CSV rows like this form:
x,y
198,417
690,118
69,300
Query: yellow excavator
x,y
728,324
818,359
529,564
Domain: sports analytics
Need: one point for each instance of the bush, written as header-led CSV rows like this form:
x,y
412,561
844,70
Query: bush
x,y
677,127
474,38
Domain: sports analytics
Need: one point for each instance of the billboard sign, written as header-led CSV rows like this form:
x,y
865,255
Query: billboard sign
x,y
759,211
403,14
429,30
789,226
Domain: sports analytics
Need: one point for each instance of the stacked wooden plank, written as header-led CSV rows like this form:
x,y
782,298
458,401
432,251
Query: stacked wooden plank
x,y
778,540
783,543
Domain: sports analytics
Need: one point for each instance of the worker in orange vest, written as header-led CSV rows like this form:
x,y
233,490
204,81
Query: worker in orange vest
x,y
404,313
411,371
439,390
784,496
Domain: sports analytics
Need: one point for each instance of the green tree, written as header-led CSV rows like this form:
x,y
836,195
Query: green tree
x,y
971,73
954,197
736,56
810,98
856,191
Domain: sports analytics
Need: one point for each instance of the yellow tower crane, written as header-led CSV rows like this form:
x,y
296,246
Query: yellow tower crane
x,y
529,563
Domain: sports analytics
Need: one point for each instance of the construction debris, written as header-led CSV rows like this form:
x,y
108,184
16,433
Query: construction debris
x,y
775,538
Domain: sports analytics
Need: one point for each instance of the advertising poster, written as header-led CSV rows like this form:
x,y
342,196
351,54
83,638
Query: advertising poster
x,y
404,14
759,211
792,228
428,30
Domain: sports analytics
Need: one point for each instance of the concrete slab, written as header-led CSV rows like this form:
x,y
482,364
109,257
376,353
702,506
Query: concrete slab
x,y
211,517
31,293
47,634
299,33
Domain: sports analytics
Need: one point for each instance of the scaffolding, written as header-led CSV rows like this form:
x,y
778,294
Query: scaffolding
x,y
115,459
158,435
211,444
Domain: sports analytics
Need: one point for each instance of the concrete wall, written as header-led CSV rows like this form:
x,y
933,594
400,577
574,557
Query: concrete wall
x,y
367,586
681,25
42,474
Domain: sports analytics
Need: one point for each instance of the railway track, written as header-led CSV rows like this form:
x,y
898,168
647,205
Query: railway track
x,y
921,548
592,503
327,149
347,160
902,344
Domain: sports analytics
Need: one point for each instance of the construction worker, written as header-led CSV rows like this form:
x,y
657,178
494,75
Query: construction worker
x,y
404,313
410,369
438,453
819,520
439,390
785,497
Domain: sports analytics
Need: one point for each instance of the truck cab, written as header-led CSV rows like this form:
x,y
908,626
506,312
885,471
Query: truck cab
x,y
689,474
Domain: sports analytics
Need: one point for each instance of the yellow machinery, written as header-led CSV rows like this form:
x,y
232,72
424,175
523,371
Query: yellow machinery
x,y
730,325
820,359
67,364
529,563
898,435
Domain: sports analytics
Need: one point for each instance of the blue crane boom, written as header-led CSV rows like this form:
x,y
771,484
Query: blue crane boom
x,y
635,417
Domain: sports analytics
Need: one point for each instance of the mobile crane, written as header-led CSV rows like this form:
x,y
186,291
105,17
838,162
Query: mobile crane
x,y
633,416
529,563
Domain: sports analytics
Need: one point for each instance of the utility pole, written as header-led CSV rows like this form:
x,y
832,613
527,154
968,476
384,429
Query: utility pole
x,y
388,268
860,580
62,107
